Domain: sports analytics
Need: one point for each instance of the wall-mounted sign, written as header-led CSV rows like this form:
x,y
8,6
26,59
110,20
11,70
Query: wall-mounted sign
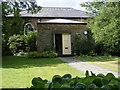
x,y
66,38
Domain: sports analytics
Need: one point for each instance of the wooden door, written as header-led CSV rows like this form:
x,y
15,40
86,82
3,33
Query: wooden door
x,y
66,44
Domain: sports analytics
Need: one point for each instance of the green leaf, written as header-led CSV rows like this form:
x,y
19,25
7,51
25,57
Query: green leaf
x,y
56,78
105,87
87,73
114,81
104,81
80,86
65,85
101,75
36,80
92,74
98,81
88,80
109,76
56,85
91,86
67,76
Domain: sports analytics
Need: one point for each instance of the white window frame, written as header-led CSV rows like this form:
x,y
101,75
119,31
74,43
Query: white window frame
x,y
25,27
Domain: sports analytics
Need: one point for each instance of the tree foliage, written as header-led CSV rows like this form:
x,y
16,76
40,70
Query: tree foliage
x,y
22,43
105,25
15,26
15,7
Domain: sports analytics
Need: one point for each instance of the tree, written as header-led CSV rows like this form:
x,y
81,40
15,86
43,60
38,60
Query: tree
x,y
16,26
105,25
15,7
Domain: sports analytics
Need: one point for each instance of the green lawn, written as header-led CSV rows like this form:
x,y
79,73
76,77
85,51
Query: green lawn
x,y
107,62
17,72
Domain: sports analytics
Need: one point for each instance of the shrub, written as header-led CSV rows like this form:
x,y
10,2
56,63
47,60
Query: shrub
x,y
33,54
30,40
16,44
92,53
99,48
48,48
49,54
45,54
21,54
90,82
24,43
5,47
83,46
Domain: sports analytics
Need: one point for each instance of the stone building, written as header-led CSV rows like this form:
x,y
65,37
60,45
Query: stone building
x,y
56,27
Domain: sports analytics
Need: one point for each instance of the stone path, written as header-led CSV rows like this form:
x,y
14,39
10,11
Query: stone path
x,y
83,66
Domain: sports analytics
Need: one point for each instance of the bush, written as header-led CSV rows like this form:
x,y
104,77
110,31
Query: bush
x,y
49,54
5,48
48,48
33,54
45,54
21,54
90,82
24,43
83,46
92,53
30,40
16,44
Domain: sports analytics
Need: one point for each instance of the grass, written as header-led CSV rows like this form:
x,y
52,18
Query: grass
x,y
17,72
107,62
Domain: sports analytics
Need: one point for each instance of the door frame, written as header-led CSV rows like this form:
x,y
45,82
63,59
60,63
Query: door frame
x,y
54,43
59,49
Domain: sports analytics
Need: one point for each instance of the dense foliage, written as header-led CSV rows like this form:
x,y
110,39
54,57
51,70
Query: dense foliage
x,y
23,43
15,25
105,26
83,45
90,82
16,44
30,39
49,54
35,54
15,7
5,47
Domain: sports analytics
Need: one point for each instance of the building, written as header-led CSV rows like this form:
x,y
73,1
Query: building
x,y
57,27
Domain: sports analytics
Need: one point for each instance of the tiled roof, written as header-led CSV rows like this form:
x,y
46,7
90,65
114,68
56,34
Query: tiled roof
x,y
56,12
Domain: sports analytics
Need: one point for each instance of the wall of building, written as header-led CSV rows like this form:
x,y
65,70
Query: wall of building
x,y
34,20
46,33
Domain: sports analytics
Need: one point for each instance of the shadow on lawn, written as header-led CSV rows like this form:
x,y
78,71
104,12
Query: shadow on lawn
x,y
21,62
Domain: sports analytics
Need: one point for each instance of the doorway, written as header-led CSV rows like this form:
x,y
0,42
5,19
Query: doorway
x,y
63,44
58,44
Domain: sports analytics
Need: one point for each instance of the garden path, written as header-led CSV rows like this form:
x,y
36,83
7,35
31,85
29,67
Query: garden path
x,y
83,66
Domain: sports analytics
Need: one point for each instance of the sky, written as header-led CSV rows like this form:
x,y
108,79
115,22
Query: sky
x,y
62,3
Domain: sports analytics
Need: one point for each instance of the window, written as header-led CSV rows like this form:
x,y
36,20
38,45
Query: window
x,y
28,27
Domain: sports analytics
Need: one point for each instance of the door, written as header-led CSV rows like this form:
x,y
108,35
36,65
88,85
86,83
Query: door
x,y
58,44
66,44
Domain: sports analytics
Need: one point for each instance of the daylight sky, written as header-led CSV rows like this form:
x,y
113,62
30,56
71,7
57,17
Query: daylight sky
x,y
62,3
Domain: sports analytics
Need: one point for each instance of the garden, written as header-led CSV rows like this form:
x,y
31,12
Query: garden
x,y
18,72
23,66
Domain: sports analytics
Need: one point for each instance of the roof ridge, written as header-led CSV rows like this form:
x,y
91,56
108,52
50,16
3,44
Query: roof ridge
x,y
65,8
57,7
